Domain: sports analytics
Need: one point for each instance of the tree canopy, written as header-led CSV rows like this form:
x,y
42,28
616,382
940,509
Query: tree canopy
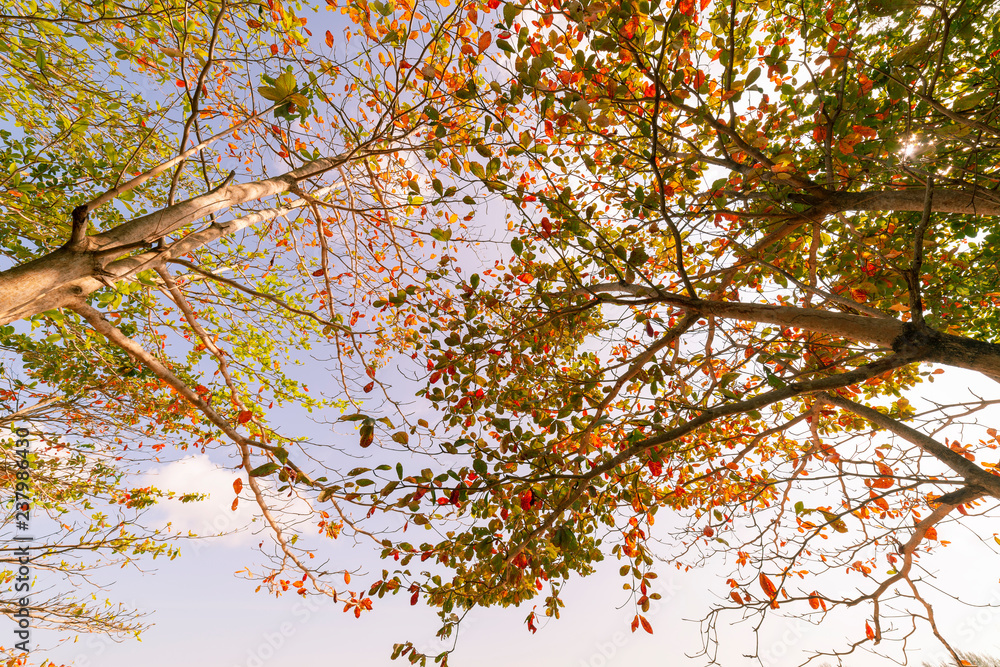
x,y
737,234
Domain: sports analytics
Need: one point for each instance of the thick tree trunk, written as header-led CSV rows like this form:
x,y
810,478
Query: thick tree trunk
x,y
930,345
63,277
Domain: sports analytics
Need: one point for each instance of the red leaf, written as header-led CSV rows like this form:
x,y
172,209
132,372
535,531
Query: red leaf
x,y
768,586
369,387
244,416
645,625
318,272
635,623
736,597
237,485
526,499
868,631
708,531
329,38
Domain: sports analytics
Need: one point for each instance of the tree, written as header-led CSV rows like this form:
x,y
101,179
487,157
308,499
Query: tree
x,y
740,229
193,194
743,230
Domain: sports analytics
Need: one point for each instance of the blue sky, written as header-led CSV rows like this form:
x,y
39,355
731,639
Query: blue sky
x,y
205,615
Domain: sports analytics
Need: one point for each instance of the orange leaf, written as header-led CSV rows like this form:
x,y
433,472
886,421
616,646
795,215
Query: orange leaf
x,y
526,278
814,600
635,623
883,483
484,41
237,485
768,586
329,38
931,533
244,416
236,502
347,577
645,625
868,631
736,597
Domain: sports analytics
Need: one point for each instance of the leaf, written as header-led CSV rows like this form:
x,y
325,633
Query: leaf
x,y
401,437
237,485
269,93
767,586
484,41
329,38
367,432
835,522
285,84
971,100
510,12
645,625
443,235
265,469
244,416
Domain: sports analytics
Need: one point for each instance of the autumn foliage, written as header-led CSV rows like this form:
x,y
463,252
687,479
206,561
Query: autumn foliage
x,y
733,238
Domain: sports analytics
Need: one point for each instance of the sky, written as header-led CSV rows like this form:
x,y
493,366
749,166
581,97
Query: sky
x,y
204,615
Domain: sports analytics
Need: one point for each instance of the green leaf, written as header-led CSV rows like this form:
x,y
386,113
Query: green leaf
x,y
269,93
510,12
265,469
